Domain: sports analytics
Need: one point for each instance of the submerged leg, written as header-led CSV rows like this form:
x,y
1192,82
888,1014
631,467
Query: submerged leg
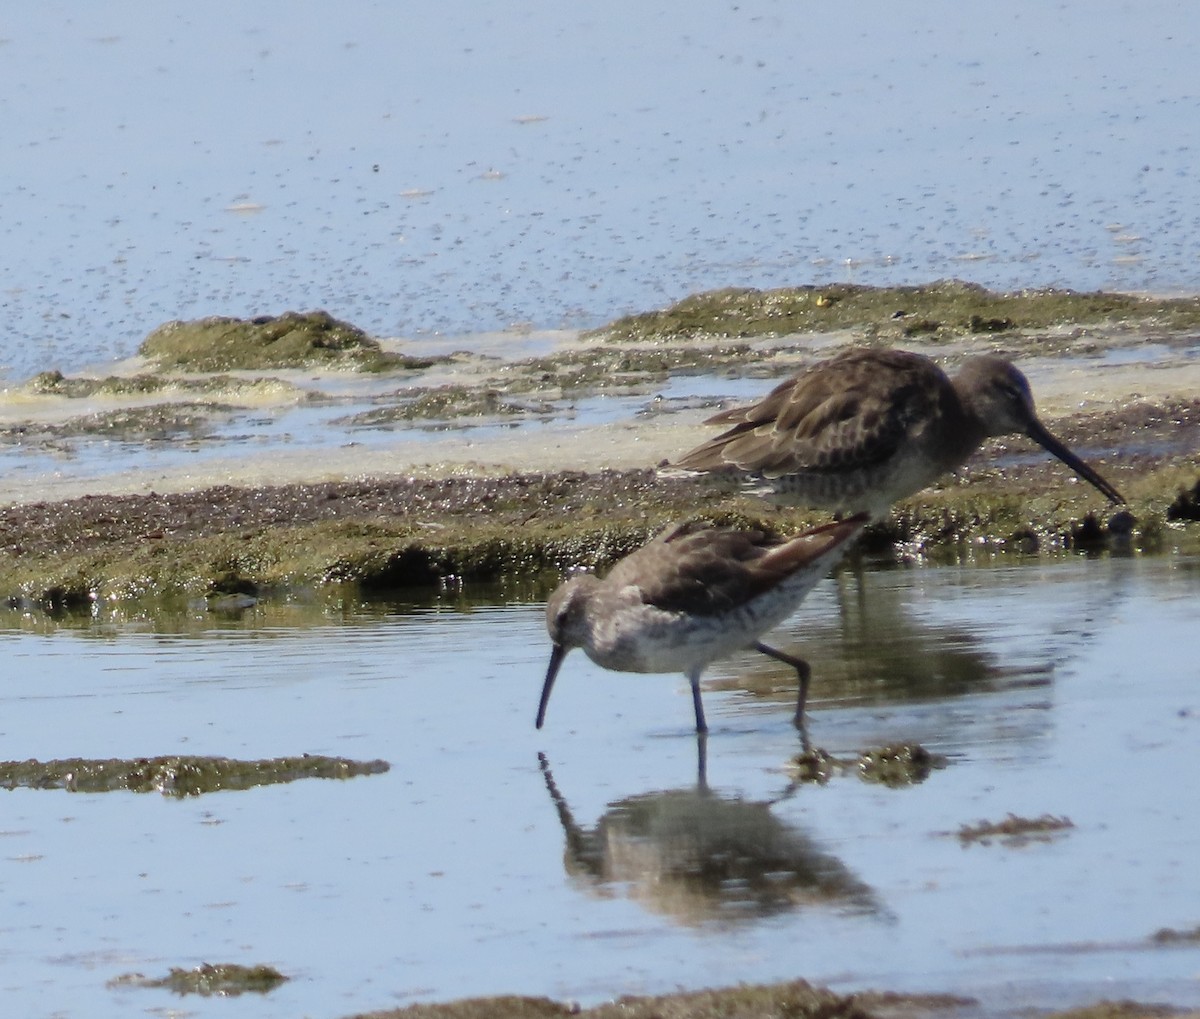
x,y
802,673
694,679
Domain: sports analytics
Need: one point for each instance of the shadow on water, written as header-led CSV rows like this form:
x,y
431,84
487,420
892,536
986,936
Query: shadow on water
x,y
699,857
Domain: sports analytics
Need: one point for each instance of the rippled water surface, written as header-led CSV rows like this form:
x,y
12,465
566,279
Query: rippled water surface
x,y
586,861
461,168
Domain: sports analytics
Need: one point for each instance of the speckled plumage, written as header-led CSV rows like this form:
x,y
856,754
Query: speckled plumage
x,y
692,595
869,427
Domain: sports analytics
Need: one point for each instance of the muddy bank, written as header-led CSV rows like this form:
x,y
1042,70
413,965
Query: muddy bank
x,y
290,340
942,311
795,999
466,488
389,534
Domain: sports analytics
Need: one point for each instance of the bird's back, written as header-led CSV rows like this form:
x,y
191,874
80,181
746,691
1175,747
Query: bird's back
x,y
698,592
856,432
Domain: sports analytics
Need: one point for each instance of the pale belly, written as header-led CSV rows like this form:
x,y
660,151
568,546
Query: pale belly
x,y
872,489
646,639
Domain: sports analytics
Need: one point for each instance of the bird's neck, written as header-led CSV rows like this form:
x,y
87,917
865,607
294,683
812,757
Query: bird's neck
x,y
968,429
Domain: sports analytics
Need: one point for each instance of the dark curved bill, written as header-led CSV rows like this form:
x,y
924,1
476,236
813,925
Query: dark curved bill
x,y
557,654
1049,443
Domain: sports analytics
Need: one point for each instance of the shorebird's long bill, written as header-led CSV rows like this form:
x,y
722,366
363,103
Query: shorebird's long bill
x,y
1049,443
557,654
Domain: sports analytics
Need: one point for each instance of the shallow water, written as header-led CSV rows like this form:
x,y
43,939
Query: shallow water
x,y
446,170
319,428
1066,687
323,415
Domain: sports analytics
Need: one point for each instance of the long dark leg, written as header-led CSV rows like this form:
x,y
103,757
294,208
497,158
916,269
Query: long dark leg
x,y
702,761
802,673
694,679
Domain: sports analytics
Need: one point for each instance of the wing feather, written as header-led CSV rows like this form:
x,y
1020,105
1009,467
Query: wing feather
x,y
701,569
849,412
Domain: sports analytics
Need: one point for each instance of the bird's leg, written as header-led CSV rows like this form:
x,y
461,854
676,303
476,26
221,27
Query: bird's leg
x,y
802,673
702,761
694,679
805,742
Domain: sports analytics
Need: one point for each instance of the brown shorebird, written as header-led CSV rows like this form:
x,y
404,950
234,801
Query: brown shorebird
x,y
869,427
694,594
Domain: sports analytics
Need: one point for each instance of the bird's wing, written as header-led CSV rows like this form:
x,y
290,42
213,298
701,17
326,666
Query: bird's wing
x,y
705,570
693,567
852,411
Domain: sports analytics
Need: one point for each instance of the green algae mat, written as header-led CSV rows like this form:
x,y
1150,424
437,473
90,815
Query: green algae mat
x,y
176,776
224,980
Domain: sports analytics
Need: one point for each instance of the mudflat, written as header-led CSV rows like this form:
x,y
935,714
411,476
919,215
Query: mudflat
x,y
492,460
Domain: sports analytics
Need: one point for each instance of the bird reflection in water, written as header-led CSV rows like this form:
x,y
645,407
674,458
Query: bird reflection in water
x,y
700,857
883,647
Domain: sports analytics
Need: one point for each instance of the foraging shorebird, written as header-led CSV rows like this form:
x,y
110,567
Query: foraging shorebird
x,y
692,595
864,429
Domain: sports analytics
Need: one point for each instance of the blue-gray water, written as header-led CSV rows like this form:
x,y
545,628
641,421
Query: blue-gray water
x,y
1067,688
465,167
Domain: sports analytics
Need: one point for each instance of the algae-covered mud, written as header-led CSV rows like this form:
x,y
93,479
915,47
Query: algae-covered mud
x,y
290,340
895,765
1167,936
796,999
225,980
1013,830
176,776
475,464
391,534
939,311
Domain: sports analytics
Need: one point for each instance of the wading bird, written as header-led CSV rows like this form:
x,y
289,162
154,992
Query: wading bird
x,y
867,428
692,595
